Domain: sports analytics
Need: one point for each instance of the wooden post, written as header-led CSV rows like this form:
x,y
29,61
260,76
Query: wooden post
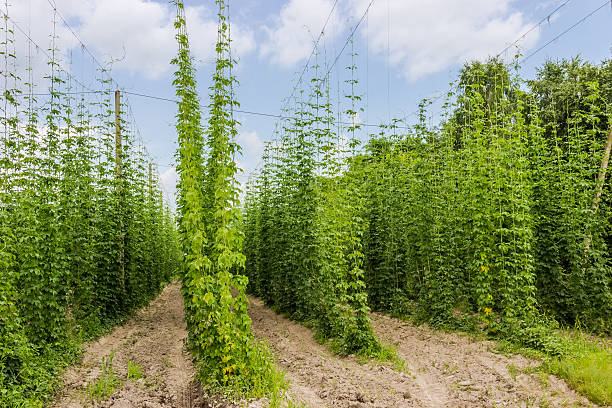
x,y
118,146
119,175
601,179
602,172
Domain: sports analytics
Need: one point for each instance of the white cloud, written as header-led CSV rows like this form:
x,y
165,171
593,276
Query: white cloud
x,y
202,28
252,150
252,146
138,33
34,19
427,37
168,180
292,35
144,31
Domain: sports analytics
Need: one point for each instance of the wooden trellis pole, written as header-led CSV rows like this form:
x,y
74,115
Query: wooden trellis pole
x,y
601,179
118,142
119,175
602,173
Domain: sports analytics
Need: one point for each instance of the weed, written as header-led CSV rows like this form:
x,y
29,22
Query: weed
x,y
544,403
582,360
134,371
281,399
513,371
543,378
104,386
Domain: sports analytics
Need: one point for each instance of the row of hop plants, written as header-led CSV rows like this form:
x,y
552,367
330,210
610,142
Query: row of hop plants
x,y
500,211
304,221
230,360
81,245
450,226
499,214
573,194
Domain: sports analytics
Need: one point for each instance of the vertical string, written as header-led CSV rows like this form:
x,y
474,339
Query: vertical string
x,y
389,61
338,107
231,81
367,110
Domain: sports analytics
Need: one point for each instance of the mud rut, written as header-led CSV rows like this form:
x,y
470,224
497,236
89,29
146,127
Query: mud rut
x,y
442,369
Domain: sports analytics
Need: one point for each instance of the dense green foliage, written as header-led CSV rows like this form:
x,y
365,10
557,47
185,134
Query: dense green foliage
x,y
304,224
493,211
497,214
81,246
573,234
213,286
449,209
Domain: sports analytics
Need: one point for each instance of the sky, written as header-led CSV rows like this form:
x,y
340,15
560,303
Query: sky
x,y
407,50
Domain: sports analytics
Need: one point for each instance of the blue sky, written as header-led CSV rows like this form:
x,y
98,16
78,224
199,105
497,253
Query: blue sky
x,y
408,50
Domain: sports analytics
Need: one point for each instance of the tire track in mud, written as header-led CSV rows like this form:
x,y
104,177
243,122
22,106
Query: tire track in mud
x,y
154,339
452,370
443,370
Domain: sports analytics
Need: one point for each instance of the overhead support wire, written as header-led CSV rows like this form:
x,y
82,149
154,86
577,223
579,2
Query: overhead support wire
x,y
255,113
350,37
246,112
104,70
87,89
41,49
546,18
539,23
570,28
83,45
314,48
280,116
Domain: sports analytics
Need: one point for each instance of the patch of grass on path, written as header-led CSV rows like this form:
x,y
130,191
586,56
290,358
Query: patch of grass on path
x,y
106,384
584,361
134,371
586,366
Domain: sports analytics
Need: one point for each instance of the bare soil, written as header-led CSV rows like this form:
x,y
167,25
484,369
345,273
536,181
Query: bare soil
x,y
153,338
441,370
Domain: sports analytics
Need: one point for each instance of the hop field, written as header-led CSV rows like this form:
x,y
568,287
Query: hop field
x,y
462,259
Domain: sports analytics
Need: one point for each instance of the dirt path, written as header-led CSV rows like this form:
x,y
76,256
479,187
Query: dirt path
x,y
451,370
444,370
152,339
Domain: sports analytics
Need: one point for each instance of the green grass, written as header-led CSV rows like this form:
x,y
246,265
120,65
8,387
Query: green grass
x,y
513,371
280,399
134,371
386,354
382,353
105,385
584,361
586,366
